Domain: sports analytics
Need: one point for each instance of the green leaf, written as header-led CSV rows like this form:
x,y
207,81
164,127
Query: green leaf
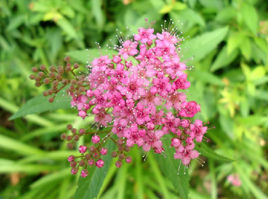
x,y
244,176
209,153
207,77
202,45
89,187
226,14
173,169
41,104
223,59
7,166
47,179
88,55
250,17
253,120
18,147
97,13
261,94
234,41
216,4
246,48
67,27
186,19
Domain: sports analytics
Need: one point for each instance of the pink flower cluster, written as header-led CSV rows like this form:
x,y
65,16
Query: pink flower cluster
x,y
139,92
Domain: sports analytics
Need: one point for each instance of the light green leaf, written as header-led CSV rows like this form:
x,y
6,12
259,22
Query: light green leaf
x,y
261,94
215,4
198,47
257,73
234,41
166,9
223,59
89,187
173,169
187,18
97,13
47,179
250,17
226,14
67,27
41,104
246,48
253,120
11,167
88,55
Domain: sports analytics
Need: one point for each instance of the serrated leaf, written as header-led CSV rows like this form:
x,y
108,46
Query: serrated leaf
x,y
208,152
40,104
223,59
173,169
198,47
88,55
89,187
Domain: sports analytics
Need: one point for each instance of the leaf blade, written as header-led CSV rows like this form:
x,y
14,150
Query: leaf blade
x,y
202,45
170,167
89,187
41,104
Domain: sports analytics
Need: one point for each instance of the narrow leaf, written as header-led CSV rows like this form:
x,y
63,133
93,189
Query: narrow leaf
x,y
18,147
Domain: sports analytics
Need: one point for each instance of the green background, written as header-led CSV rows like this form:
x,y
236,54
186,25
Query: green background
x,y
225,42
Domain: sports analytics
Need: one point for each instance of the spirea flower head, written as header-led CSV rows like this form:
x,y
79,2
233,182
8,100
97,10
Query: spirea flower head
x,y
138,93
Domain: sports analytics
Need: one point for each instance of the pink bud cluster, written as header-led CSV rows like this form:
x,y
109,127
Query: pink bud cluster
x,y
139,92
89,156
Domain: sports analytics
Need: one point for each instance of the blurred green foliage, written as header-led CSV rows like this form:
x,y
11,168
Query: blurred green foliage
x,y
226,42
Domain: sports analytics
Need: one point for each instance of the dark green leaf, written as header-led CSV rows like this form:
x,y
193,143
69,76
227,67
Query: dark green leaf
x,y
89,187
41,104
173,169
209,153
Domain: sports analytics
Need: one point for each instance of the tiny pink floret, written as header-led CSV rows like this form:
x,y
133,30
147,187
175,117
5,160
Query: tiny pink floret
x,y
100,163
82,149
95,139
